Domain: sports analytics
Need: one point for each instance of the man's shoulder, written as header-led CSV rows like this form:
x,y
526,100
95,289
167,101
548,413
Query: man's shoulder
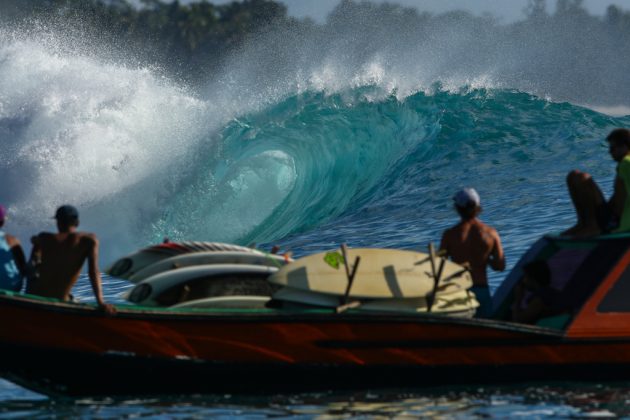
x,y
87,237
49,236
485,227
452,230
42,236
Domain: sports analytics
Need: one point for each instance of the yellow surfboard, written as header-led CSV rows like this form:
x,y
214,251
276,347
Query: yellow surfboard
x,y
381,274
462,301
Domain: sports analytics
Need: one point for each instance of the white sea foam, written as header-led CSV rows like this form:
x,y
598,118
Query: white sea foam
x,y
78,130
134,151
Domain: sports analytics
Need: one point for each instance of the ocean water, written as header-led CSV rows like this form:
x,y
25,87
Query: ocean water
x,y
308,145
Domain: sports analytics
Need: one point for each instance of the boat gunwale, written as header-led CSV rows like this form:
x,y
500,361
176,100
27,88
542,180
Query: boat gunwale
x,y
267,315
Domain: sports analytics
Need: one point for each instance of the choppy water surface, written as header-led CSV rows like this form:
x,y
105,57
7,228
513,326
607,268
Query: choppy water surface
x,y
326,148
528,401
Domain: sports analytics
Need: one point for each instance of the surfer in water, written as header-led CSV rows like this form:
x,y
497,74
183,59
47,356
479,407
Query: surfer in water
x,y
476,244
595,215
12,260
59,258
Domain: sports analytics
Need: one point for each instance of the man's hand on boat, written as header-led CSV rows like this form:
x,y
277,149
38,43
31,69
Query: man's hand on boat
x,y
107,308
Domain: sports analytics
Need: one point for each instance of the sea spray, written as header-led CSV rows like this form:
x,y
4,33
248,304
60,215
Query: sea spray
x,y
107,138
358,131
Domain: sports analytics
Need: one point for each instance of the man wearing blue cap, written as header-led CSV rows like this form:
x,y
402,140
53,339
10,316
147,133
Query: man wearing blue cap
x,y
60,256
12,261
476,244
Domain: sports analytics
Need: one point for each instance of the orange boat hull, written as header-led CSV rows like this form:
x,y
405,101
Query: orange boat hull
x,y
75,350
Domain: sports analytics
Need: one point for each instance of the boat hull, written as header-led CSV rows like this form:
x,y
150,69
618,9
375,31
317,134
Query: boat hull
x,y
68,373
68,349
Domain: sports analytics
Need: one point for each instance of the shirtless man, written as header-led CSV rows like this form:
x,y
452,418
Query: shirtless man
x,y
12,260
476,244
595,215
60,257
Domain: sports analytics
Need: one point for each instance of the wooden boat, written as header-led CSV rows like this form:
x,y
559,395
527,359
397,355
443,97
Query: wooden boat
x,y
72,349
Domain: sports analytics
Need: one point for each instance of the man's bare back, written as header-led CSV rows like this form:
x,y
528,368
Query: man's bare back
x,y
474,242
61,257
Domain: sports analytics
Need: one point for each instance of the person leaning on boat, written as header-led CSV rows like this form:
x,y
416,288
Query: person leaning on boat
x,y
474,243
595,215
534,298
59,257
12,260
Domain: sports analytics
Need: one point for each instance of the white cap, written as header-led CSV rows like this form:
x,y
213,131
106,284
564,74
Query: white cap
x,y
465,197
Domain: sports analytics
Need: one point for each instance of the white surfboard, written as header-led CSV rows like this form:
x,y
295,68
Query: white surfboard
x,y
227,302
461,301
127,266
209,257
154,291
382,273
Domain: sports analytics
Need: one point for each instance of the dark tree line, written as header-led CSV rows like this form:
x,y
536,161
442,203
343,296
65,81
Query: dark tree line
x,y
194,40
178,37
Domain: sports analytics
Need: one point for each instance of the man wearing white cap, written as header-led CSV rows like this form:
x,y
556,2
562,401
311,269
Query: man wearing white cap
x,y
476,244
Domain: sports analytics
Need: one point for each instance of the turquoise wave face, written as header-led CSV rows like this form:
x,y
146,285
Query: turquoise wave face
x,y
298,164
366,168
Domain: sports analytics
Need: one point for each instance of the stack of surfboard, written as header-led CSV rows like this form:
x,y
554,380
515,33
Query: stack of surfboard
x,y
210,272
385,280
157,259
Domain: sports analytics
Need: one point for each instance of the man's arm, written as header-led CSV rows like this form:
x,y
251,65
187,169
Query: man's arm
x,y
36,251
497,258
95,276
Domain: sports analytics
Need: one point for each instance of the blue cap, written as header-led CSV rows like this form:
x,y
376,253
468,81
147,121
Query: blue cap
x,y
66,213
